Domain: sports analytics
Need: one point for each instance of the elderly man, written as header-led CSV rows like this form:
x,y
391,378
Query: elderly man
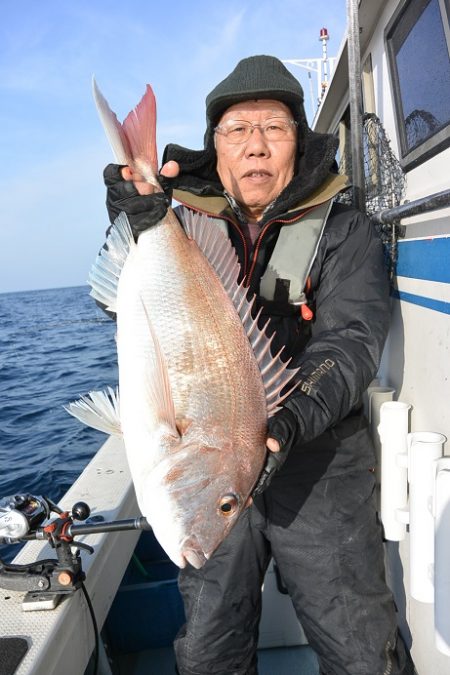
x,y
316,268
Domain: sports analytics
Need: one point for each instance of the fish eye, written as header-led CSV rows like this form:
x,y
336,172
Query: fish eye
x,y
228,505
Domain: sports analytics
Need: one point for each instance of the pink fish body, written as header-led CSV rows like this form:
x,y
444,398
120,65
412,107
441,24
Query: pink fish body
x,y
196,377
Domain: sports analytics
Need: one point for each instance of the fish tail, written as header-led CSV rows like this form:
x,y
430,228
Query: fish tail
x,y
140,129
134,141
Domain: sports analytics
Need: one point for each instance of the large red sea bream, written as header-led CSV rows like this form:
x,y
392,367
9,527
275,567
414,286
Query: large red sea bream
x,y
197,380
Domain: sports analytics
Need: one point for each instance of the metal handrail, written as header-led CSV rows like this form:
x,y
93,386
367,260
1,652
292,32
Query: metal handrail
x,y
438,200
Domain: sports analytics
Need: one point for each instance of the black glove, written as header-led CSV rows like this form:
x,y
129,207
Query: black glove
x,y
143,211
283,428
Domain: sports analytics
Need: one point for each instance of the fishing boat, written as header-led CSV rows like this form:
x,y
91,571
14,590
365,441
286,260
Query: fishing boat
x,y
393,65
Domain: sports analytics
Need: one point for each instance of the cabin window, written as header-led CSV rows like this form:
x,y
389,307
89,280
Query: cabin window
x,y
418,40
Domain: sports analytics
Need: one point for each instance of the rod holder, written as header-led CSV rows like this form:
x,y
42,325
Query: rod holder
x,y
376,396
442,555
393,430
417,459
424,449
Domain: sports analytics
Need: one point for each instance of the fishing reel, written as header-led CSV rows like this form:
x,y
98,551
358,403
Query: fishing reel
x,y
19,514
24,517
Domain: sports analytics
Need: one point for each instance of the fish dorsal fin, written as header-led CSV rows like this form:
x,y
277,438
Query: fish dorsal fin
x,y
105,272
133,142
99,410
217,248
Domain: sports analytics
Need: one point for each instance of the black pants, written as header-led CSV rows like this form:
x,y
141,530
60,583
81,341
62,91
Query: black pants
x,y
330,556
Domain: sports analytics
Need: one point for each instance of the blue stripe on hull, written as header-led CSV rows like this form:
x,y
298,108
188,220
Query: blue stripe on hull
x,y
428,260
425,259
429,303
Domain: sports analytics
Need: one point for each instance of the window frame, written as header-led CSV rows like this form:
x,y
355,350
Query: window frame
x,y
434,144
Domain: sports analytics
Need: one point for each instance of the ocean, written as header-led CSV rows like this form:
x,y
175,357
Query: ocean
x,y
55,345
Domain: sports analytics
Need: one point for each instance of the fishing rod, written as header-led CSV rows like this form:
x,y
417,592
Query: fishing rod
x,y
25,517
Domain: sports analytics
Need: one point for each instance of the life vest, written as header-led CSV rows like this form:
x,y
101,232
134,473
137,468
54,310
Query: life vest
x,y
282,286
287,271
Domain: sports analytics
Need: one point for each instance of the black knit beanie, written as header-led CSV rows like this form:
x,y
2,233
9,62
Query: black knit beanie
x,y
256,77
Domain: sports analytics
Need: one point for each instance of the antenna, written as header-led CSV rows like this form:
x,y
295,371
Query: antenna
x,y
324,37
323,69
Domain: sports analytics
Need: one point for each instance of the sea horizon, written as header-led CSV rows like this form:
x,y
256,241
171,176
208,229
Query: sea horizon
x,y
55,345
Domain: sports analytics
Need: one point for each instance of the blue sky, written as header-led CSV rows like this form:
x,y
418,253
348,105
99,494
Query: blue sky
x,y
52,147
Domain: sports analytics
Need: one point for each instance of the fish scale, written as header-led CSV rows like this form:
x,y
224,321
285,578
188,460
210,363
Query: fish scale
x,y
197,327
215,382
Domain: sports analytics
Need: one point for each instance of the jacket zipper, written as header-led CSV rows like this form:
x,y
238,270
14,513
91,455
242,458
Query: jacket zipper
x,y
260,236
263,232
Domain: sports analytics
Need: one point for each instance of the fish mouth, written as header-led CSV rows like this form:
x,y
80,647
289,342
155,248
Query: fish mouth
x,y
192,552
194,557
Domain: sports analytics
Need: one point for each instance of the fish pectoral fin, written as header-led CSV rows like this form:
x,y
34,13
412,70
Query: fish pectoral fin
x,y
183,424
99,410
158,388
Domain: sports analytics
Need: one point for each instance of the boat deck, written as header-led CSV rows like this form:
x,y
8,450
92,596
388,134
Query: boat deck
x,y
148,611
275,661
136,601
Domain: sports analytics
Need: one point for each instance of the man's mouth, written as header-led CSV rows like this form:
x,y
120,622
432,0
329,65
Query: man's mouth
x,y
257,174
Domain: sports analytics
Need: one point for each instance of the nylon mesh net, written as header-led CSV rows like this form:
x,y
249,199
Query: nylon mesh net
x,y
385,181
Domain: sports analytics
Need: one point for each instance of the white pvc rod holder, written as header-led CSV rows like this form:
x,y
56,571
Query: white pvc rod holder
x,y
424,449
393,430
376,397
442,556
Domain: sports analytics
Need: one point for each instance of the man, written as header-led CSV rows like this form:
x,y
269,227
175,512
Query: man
x,y
316,267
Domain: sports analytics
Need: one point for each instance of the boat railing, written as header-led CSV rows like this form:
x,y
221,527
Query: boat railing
x,y
388,222
438,200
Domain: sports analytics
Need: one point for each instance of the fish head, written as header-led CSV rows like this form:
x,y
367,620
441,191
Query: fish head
x,y
208,517
193,498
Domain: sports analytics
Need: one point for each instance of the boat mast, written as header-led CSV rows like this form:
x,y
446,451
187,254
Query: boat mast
x,y
321,67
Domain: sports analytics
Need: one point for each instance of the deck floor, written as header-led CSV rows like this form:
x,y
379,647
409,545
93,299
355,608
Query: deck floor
x,y
276,661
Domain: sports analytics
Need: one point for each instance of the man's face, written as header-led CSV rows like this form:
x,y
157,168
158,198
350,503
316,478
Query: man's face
x,y
256,171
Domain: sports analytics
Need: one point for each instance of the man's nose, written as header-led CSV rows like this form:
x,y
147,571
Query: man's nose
x,y
257,144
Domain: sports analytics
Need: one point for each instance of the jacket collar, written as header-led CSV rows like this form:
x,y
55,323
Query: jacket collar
x,y
218,206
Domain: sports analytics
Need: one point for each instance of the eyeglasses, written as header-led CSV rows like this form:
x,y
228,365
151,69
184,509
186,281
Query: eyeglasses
x,y
273,129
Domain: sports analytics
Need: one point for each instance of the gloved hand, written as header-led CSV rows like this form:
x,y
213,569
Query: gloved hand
x,y
143,211
283,428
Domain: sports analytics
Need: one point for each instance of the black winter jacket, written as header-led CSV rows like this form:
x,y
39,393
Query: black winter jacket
x,y
339,351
